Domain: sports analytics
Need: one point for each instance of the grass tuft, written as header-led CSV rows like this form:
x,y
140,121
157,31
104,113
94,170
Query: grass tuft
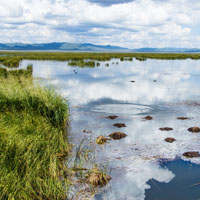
x,y
32,141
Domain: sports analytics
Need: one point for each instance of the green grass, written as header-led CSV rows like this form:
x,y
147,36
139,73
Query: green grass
x,y
13,59
5,73
82,63
33,141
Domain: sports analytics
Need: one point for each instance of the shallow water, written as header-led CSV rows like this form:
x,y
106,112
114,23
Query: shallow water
x,y
163,89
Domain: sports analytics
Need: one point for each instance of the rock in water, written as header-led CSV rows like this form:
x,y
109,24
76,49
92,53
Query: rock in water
x,y
119,125
148,118
183,118
192,154
117,135
86,131
166,129
170,139
194,129
111,117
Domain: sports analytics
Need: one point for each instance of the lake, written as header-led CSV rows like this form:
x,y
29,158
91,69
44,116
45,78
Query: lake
x,y
142,165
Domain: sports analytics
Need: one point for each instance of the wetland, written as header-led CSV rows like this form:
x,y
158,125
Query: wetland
x,y
144,111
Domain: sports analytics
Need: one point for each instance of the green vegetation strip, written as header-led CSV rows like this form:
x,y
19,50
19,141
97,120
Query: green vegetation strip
x,y
12,59
33,143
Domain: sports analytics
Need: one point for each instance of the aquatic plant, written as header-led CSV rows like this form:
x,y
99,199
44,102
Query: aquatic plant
x,y
141,58
107,64
82,63
3,72
101,140
13,59
16,72
98,64
96,177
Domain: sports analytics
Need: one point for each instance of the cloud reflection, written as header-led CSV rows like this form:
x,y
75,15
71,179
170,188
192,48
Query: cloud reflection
x,y
134,160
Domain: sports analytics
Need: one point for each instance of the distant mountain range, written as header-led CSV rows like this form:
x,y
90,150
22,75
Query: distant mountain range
x,y
60,47
168,50
64,46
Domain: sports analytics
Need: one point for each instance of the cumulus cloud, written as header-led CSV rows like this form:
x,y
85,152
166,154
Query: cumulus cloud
x,y
129,23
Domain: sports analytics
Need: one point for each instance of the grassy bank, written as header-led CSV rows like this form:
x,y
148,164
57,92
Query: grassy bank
x,y
12,59
32,141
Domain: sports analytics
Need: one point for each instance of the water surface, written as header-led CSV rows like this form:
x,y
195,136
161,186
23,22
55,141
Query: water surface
x,y
163,89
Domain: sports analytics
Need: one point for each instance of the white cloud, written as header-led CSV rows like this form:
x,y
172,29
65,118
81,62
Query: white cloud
x,y
134,24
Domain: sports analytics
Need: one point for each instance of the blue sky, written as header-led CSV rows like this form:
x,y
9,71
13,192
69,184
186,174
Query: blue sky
x,y
128,23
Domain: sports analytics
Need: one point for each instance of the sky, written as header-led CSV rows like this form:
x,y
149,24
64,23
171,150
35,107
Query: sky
x,y
126,23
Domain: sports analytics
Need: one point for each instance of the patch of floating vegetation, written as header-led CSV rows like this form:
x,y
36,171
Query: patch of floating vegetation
x,y
88,177
126,59
97,177
141,58
101,140
83,63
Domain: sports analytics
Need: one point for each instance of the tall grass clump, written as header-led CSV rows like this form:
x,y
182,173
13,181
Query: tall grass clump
x,y
12,62
33,142
5,72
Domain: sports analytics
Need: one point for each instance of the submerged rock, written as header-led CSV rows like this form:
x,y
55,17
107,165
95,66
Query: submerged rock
x,y
166,129
170,139
194,129
148,118
111,117
117,135
86,131
154,80
192,154
183,118
101,140
97,178
119,125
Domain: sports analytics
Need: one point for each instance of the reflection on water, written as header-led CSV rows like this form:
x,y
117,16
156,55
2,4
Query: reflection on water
x,y
178,188
162,89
